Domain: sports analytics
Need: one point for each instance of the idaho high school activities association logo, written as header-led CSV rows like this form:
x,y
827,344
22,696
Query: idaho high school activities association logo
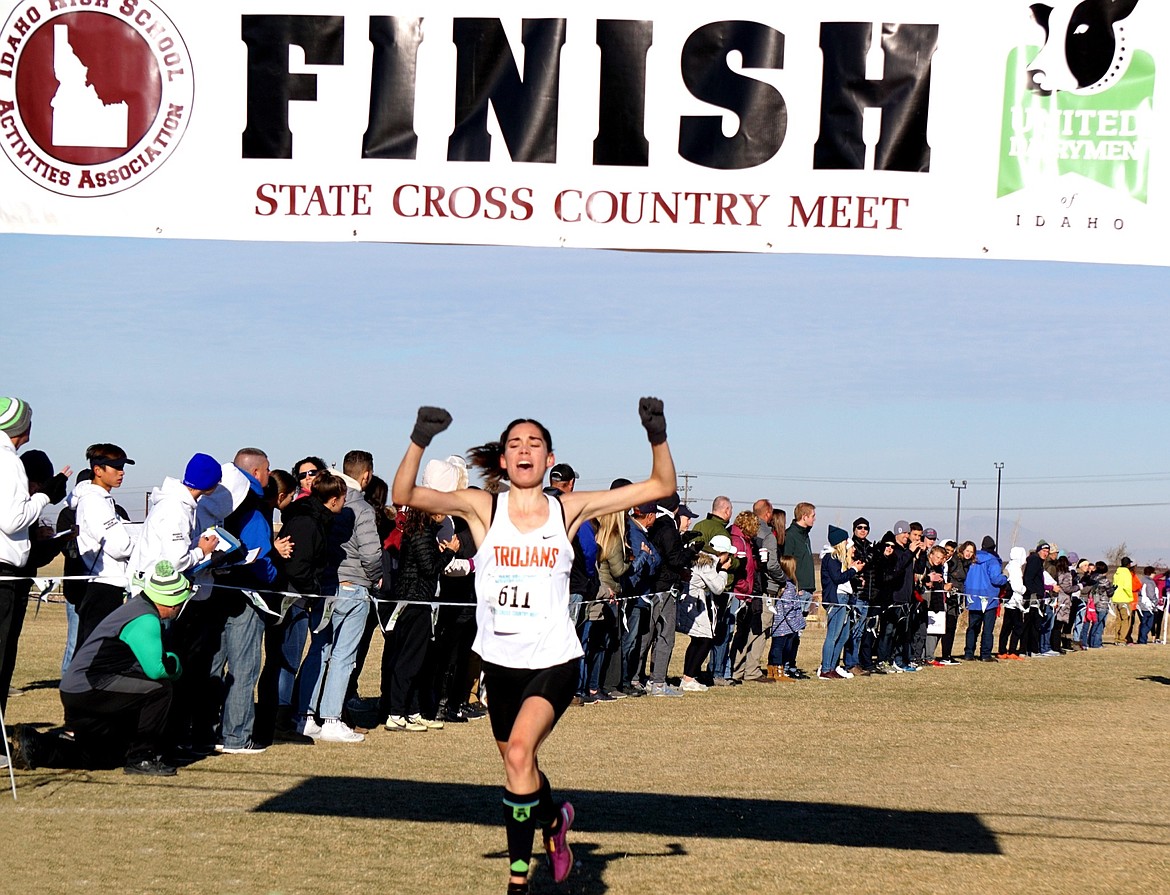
x,y
1081,102
94,94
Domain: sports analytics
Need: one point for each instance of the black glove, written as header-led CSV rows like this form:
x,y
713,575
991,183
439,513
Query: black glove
x,y
171,664
431,421
55,488
653,420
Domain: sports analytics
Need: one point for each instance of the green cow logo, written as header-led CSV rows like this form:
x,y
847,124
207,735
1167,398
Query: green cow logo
x,y
1081,103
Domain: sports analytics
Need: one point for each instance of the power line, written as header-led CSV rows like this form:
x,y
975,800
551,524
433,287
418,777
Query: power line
x,y
1097,478
1005,509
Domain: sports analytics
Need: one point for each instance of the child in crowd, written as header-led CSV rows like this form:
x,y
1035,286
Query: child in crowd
x,y
696,610
787,624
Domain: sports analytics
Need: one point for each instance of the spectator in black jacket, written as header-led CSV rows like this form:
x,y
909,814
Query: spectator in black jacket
x,y
859,649
1034,598
898,579
74,584
673,570
420,563
307,522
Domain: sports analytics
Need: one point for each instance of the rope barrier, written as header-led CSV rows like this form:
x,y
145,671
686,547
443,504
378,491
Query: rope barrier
x,y
289,599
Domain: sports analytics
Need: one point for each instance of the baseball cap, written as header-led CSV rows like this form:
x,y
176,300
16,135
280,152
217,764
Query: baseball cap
x,y
562,472
930,533
721,544
901,527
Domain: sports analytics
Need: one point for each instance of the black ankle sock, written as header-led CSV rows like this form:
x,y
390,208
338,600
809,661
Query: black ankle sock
x,y
517,888
520,824
547,813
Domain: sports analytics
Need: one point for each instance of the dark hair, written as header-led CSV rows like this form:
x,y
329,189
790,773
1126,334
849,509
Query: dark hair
x,y
316,461
959,550
1148,570
916,526
1062,565
376,493
96,453
356,462
1100,567
416,520
486,457
326,486
282,481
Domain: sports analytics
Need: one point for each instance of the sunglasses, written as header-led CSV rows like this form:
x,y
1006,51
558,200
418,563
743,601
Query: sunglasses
x,y
307,474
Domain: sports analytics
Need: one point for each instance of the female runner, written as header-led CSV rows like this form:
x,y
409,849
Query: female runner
x,y
527,642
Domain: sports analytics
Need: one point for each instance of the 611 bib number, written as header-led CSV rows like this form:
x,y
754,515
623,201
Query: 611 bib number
x,y
515,604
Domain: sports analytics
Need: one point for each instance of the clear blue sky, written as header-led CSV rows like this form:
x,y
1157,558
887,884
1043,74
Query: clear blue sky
x,y
863,385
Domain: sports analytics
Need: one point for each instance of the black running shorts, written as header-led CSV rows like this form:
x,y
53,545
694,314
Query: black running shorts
x,y
507,688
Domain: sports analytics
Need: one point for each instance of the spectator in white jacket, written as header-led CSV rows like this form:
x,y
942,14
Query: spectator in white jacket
x,y
169,531
1012,630
696,614
19,511
103,537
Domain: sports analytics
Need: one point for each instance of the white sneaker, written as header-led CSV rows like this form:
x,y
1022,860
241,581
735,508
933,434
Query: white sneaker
x,y
398,722
845,674
307,726
693,686
334,730
428,723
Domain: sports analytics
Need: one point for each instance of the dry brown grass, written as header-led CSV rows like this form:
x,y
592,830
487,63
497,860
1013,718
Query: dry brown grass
x,y
1040,776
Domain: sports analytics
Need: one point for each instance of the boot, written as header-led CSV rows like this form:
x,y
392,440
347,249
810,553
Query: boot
x,y
773,672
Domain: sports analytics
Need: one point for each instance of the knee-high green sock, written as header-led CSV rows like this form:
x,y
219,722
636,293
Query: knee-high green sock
x,y
520,824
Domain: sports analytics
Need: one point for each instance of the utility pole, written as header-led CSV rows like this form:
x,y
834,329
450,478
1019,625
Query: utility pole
x,y
998,480
958,500
686,489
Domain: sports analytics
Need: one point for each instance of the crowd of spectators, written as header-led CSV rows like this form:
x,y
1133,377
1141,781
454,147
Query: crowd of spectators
x,y
210,628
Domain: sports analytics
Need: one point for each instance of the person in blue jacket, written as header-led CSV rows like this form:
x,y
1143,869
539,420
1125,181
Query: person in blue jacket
x,y
984,579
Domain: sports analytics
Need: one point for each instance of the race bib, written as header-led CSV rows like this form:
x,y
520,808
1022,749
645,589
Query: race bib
x,y
519,604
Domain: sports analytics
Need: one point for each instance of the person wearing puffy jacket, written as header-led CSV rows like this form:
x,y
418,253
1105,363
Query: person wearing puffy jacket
x,y
982,585
709,577
838,569
1012,632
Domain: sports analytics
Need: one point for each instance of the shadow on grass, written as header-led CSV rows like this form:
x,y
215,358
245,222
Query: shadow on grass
x,y
51,684
1155,679
674,817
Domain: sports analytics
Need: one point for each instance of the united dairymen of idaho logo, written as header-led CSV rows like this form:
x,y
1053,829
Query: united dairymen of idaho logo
x,y
1081,103
94,94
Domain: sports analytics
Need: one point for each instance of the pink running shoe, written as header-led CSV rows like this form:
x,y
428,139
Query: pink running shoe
x,y
560,856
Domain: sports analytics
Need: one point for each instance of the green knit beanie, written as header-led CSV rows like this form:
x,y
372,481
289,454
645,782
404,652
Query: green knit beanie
x,y
165,586
15,416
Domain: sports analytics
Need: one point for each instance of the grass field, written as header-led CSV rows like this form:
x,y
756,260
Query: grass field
x,y
1037,776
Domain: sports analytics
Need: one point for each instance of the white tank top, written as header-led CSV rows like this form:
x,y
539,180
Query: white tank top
x,y
522,592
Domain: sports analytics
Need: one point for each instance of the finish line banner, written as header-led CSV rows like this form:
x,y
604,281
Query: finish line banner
x,y
883,127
